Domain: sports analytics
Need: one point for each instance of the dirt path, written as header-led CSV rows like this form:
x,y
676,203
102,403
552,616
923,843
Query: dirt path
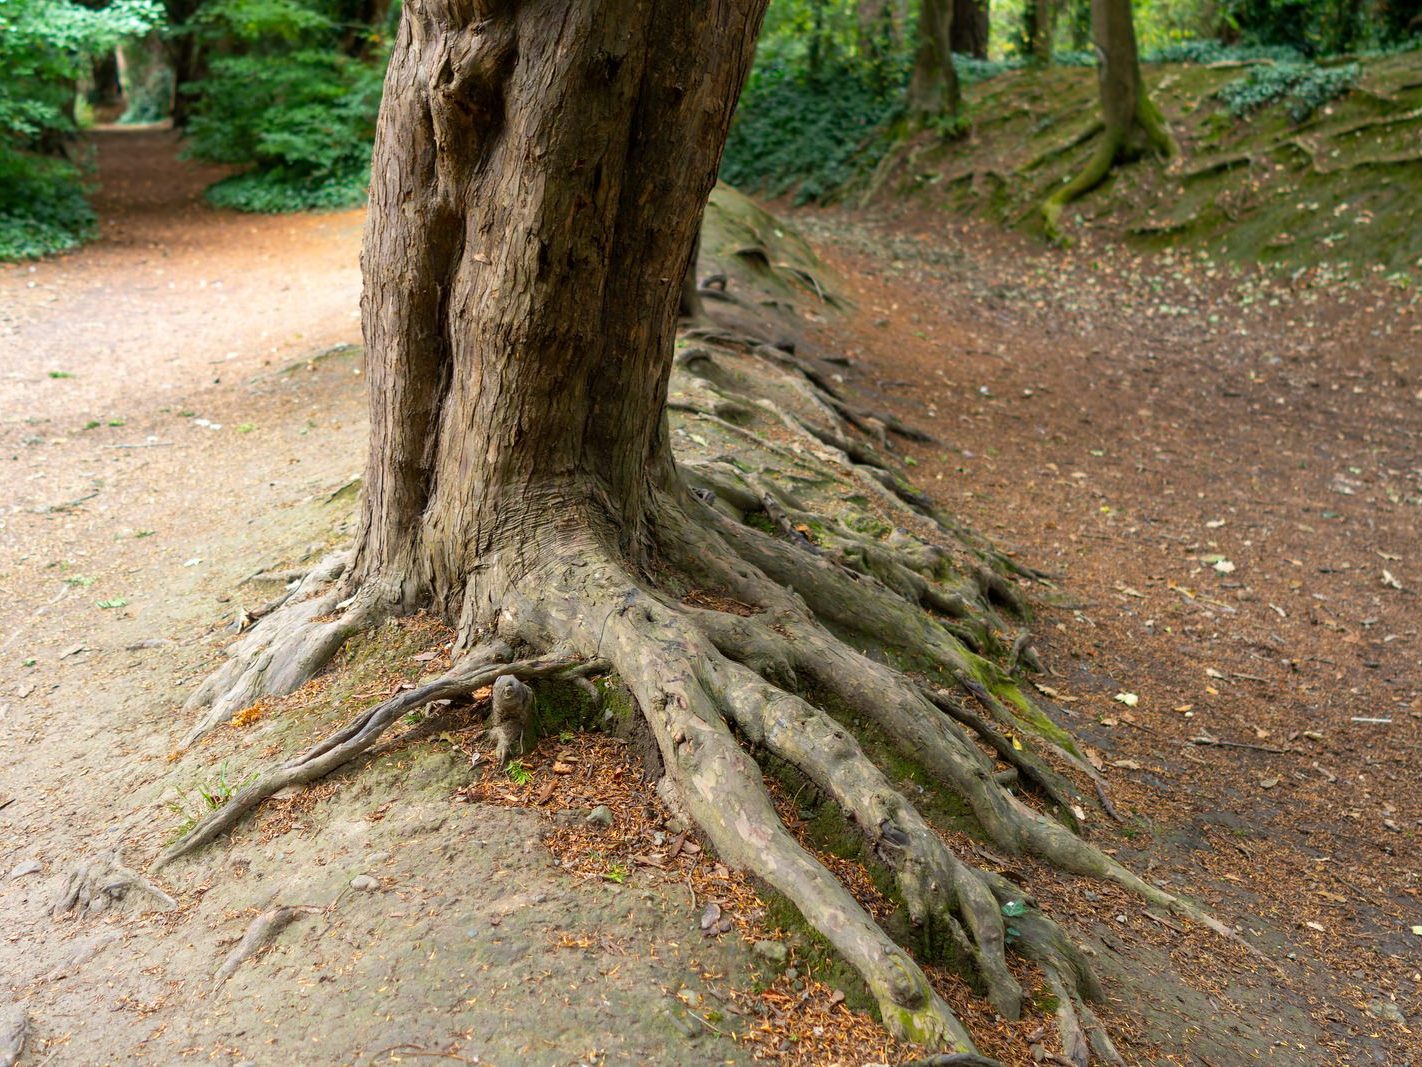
x,y
1135,426
1227,474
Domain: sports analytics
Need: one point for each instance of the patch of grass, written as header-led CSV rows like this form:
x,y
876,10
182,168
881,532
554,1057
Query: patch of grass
x,y
207,796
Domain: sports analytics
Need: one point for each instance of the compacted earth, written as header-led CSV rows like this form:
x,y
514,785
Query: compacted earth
x,y
1222,470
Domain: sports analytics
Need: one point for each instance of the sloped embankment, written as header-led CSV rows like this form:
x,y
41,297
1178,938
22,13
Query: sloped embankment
x,y
1263,174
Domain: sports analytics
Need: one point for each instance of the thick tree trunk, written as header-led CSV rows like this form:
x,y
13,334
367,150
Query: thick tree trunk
x,y
538,175
933,87
145,78
969,32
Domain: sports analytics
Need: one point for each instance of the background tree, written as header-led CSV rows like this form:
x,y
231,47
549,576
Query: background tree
x,y
1131,125
970,27
933,91
1039,24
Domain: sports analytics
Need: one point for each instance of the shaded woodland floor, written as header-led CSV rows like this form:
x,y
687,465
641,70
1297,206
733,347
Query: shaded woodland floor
x,y
1226,472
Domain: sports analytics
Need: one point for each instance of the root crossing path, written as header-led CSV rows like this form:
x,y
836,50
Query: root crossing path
x,y
1113,445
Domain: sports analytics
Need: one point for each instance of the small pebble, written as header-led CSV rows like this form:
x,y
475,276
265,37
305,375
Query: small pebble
x,y
364,883
600,816
771,951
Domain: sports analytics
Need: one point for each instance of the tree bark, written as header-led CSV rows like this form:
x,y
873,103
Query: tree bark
x,y
1131,123
1040,17
538,174
933,86
969,32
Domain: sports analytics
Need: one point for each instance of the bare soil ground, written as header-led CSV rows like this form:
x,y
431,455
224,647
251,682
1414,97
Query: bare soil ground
x,y
1224,471
1223,468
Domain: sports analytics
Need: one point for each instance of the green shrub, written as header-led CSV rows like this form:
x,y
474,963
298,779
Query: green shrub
x,y
1301,87
1215,52
808,134
42,206
291,104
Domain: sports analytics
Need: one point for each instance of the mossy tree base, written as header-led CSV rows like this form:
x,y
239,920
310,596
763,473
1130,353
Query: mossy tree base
x,y
791,567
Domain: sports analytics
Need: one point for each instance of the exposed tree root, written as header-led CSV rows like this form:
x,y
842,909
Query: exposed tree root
x,y
97,883
481,666
289,646
820,605
261,932
14,1030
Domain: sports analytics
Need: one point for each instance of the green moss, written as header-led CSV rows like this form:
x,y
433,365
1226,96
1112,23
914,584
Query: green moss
x,y
813,953
560,706
763,522
869,524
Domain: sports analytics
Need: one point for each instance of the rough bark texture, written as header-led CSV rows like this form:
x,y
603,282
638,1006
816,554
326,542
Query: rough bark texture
x,y
933,86
969,32
538,173
1131,123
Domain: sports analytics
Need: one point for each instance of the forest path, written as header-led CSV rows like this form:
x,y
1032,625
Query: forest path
x,y
173,292
1225,469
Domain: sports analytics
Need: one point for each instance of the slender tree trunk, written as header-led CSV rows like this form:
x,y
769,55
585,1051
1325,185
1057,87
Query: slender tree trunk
x,y
969,32
933,87
1130,118
879,30
1131,123
538,174
1041,19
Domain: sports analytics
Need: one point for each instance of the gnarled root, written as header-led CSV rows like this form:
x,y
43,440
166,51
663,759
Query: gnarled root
x,y
97,883
483,665
289,646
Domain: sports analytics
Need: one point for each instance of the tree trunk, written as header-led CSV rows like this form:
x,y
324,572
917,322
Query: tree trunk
x,y
933,87
1131,123
145,78
538,175
969,31
1040,17
1130,118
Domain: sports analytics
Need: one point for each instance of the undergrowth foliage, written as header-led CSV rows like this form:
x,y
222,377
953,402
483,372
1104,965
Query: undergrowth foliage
x,y
45,45
1301,87
807,134
305,124
296,100
43,208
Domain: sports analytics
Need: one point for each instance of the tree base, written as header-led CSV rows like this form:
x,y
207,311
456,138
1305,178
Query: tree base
x,y
786,575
